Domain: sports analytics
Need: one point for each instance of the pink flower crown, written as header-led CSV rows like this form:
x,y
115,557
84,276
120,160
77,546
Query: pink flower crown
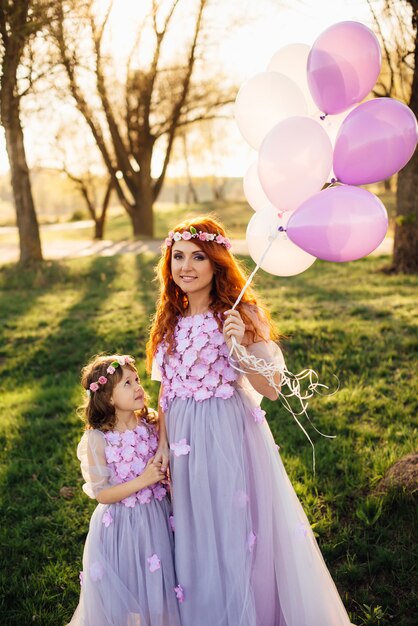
x,y
194,234
118,362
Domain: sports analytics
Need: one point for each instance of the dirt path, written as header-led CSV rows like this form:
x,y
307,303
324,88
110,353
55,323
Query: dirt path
x,y
76,248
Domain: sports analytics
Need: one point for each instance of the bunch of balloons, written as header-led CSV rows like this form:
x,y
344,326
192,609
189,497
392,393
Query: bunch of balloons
x,y
302,116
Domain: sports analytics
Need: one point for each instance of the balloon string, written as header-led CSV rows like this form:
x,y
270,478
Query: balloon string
x,y
272,238
269,370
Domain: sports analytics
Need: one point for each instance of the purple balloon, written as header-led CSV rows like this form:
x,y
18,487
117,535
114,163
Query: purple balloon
x,y
375,141
343,66
339,224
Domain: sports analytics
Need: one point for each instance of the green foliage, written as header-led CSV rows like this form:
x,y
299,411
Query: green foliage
x,y
346,319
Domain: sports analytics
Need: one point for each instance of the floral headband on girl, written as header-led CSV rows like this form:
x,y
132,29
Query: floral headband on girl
x,y
192,233
118,362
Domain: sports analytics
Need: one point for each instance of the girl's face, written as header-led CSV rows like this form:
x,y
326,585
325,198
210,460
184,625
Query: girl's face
x,y
191,268
128,395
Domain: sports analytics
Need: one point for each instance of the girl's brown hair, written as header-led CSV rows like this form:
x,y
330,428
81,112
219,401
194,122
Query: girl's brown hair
x,y
98,410
229,278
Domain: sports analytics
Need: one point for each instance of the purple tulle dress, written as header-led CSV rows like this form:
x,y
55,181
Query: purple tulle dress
x,y
128,573
245,554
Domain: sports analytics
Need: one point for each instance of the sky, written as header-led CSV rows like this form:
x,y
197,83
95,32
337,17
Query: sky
x,y
267,26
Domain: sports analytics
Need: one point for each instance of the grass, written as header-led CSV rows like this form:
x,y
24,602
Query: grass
x,y
350,319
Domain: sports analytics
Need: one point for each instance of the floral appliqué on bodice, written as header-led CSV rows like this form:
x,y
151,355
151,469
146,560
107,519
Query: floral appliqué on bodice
x,y
127,454
198,368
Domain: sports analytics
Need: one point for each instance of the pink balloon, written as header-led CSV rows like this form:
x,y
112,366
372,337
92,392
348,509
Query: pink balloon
x,y
339,224
375,141
294,161
343,66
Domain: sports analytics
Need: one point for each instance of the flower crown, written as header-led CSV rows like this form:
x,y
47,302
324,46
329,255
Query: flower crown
x,y
118,362
192,233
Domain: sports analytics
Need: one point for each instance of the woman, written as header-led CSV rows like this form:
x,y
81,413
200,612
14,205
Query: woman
x,y
244,551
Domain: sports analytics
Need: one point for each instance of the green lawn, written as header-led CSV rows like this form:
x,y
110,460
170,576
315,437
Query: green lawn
x,y
349,319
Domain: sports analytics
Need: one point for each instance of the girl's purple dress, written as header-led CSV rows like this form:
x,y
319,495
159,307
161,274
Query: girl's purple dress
x,y
128,573
245,554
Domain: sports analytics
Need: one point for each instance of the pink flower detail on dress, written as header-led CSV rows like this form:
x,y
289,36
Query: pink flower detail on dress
x,y
301,530
200,341
258,414
219,366
142,431
224,391
229,374
81,577
199,370
93,387
128,437
154,563
130,501
179,593
169,371
127,453
102,380
159,492
153,443
217,339
142,447
211,380
171,522
123,469
112,454
241,498
182,344
209,355
138,466
180,448
251,541
96,571
112,437
189,357
144,496
210,324
202,394
107,518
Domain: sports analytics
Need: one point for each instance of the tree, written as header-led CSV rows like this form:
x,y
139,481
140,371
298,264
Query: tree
x,y
133,120
401,80
20,21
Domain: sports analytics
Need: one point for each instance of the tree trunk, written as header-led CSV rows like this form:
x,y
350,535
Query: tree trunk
x,y
142,217
27,223
405,250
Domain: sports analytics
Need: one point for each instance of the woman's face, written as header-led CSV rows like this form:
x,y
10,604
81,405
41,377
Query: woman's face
x,y
191,268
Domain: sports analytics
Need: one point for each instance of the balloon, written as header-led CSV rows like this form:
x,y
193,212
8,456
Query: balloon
x,y
253,190
294,161
283,258
343,66
375,141
264,100
292,61
339,224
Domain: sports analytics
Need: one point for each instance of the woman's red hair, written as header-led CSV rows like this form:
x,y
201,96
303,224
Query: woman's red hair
x,y
228,280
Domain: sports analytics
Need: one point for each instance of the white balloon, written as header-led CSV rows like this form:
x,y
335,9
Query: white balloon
x,y
292,61
263,101
294,161
253,190
284,257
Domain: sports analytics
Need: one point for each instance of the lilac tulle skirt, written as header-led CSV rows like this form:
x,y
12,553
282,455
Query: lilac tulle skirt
x,y
245,554
118,587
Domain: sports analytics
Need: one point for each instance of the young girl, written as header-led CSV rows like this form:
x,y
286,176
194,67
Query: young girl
x,y
128,575
245,554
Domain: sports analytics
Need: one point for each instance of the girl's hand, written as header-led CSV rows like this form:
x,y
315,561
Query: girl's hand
x,y
162,456
153,473
233,327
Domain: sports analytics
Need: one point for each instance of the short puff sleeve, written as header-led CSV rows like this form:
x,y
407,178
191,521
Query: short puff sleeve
x,y
91,454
